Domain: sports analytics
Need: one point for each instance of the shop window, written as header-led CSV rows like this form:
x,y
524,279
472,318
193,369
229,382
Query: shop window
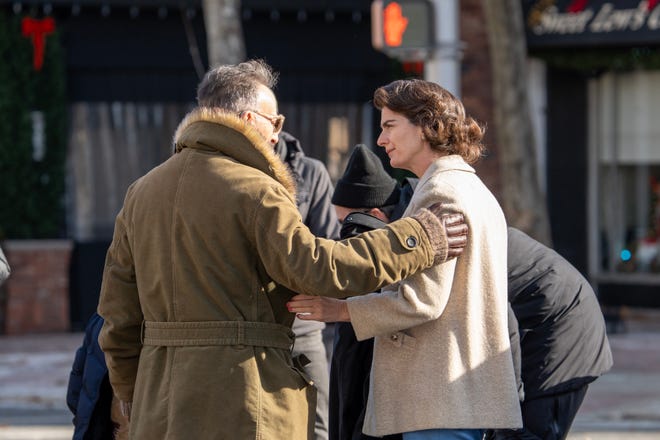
x,y
625,158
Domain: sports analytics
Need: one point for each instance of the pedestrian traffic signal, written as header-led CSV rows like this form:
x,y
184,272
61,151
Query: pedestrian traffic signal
x,y
403,28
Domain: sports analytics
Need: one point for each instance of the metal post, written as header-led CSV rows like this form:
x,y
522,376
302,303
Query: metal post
x,y
444,66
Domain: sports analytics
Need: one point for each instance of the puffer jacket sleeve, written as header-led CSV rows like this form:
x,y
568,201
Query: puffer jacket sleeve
x,y
297,259
86,383
75,376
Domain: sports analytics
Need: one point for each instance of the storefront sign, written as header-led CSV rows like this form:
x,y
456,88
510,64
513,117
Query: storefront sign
x,y
561,23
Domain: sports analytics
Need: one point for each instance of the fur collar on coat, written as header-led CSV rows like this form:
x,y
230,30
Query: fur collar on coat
x,y
216,129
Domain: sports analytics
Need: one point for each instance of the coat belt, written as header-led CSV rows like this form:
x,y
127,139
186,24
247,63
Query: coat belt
x,y
196,333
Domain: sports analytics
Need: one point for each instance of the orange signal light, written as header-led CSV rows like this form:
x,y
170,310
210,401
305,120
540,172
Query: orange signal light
x,y
403,29
394,24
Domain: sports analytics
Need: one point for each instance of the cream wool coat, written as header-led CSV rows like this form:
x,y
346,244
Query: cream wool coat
x,y
442,357
206,252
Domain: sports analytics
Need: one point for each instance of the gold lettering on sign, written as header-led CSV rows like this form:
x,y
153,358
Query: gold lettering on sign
x,y
609,19
554,22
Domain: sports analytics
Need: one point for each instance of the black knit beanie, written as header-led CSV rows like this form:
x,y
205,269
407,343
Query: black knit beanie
x,y
365,183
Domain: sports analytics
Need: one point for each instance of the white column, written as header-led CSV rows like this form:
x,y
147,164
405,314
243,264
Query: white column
x,y
444,66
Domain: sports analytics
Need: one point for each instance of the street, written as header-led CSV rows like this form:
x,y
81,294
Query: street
x,y
34,371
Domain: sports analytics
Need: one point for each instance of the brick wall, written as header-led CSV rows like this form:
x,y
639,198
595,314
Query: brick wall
x,y
36,295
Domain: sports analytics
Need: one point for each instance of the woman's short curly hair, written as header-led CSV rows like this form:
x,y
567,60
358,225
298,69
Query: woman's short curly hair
x,y
440,115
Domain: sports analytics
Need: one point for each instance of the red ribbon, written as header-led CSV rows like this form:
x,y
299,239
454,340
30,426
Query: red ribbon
x,y
577,6
37,30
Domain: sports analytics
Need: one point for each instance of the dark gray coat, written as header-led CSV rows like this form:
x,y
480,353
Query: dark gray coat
x,y
562,331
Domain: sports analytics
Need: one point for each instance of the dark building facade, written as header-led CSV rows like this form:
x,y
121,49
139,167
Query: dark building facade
x,y
131,76
603,141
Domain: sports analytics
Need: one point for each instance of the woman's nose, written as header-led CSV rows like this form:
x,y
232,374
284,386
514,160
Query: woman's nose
x,y
381,141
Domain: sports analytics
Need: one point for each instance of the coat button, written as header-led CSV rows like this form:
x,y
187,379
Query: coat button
x,y
394,337
411,241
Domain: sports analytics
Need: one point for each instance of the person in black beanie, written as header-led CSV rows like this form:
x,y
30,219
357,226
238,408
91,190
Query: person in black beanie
x,y
365,198
365,184
367,187
547,297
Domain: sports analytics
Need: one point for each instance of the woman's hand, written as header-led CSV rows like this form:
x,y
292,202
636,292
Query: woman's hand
x,y
319,308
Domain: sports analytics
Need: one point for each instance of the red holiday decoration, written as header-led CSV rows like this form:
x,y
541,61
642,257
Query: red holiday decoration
x,y
577,6
37,30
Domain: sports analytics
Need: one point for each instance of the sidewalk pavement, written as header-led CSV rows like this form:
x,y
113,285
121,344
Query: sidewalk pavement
x,y
34,373
623,404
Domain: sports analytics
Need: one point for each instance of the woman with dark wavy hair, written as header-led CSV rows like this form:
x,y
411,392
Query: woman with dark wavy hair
x,y
442,365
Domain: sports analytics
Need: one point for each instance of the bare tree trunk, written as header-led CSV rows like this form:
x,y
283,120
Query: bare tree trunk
x,y
224,33
523,201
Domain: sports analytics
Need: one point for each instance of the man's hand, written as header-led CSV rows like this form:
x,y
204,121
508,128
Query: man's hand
x,y
120,415
446,230
457,231
319,308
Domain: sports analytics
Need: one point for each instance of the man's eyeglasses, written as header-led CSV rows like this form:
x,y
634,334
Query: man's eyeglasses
x,y
276,120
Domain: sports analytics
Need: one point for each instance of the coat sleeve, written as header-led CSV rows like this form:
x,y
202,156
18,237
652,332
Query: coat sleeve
x,y
4,267
304,263
416,300
75,384
86,381
120,308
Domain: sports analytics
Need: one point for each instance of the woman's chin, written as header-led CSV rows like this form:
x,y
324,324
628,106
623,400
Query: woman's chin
x,y
399,165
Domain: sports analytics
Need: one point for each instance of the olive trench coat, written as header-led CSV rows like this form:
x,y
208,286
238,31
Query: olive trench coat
x,y
206,252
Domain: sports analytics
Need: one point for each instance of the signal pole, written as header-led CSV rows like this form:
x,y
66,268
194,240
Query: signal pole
x,y
444,65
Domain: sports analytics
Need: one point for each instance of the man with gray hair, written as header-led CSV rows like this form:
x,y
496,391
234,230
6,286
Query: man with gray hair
x,y
207,249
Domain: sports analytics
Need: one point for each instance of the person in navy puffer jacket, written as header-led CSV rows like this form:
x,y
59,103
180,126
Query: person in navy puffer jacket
x,y
89,395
